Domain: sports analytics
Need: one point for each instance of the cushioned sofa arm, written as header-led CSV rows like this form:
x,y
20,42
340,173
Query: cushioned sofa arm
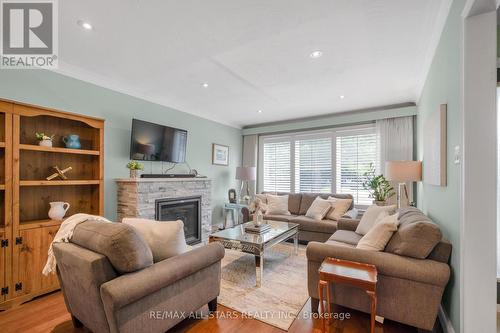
x,y
420,270
129,288
347,224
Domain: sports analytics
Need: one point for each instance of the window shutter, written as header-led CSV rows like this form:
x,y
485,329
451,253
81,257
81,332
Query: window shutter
x,y
354,154
276,173
313,165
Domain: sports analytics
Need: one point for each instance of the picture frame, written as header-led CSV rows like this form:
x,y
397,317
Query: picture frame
x,y
220,154
232,195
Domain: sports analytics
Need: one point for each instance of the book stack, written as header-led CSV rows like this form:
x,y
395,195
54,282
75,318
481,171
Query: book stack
x,y
252,228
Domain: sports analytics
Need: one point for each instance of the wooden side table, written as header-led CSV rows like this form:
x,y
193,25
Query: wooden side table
x,y
350,273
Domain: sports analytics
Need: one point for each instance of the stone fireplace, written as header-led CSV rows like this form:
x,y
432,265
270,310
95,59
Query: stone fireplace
x,y
186,209
143,197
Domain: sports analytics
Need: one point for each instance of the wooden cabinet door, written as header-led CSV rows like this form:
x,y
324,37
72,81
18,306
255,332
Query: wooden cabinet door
x,y
2,267
32,256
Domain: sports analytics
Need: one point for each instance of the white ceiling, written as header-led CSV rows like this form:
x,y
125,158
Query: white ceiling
x,y
254,54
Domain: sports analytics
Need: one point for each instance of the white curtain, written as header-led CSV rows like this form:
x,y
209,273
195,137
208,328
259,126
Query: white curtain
x,y
250,147
395,140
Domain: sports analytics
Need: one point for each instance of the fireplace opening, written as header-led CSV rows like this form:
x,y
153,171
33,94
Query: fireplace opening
x,y
186,209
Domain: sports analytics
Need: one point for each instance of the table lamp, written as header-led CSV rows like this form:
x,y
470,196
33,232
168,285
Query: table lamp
x,y
245,174
403,172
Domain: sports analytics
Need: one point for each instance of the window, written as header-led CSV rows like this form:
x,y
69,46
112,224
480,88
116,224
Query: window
x,y
276,170
313,165
326,162
355,153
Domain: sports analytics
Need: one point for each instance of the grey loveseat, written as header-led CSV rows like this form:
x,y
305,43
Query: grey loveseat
x,y
110,283
413,269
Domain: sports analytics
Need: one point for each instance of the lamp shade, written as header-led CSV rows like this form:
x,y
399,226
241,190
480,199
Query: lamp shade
x,y
403,171
246,173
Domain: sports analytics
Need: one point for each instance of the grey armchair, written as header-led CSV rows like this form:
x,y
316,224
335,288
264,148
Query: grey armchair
x,y
110,283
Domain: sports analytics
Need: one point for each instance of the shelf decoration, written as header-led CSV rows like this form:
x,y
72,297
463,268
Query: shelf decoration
x,y
59,173
44,140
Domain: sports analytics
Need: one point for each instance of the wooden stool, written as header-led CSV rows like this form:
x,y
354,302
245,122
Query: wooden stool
x,y
350,273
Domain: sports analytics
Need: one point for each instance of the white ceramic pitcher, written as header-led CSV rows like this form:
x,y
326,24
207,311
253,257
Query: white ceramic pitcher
x,y
58,209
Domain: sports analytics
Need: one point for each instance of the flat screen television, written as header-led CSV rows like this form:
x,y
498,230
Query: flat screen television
x,y
154,142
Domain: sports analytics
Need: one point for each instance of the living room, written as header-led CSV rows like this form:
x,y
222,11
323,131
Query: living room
x,y
280,166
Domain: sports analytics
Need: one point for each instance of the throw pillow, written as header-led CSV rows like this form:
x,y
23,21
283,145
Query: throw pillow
x,y
318,209
165,238
339,208
370,217
262,198
377,238
277,205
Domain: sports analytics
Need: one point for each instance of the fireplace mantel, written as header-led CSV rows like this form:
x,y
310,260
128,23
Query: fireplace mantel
x,y
137,197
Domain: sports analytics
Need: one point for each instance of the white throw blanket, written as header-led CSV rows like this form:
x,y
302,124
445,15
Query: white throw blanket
x,y
64,234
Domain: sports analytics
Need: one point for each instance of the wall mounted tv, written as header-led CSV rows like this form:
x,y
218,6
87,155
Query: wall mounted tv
x,y
154,142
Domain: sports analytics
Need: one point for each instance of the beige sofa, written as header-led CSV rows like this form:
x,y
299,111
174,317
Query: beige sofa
x,y
110,283
409,288
309,229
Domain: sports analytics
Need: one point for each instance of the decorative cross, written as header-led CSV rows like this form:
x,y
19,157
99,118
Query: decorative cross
x,y
59,173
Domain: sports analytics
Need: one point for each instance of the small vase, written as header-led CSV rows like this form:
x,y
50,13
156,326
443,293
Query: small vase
x,y
45,143
379,202
58,210
133,173
72,141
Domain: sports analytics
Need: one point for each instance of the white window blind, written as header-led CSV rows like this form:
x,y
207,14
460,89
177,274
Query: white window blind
x,y
313,165
276,166
354,154
321,161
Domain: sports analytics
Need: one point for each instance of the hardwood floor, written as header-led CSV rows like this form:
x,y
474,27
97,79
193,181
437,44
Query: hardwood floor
x,y
49,314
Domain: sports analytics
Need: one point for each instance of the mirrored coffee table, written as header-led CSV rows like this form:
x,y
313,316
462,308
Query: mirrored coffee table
x,y
236,238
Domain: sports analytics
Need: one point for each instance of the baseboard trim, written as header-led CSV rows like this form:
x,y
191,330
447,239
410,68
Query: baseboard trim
x,y
445,321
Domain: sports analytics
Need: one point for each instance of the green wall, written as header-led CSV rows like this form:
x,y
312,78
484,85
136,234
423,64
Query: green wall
x,y
442,203
53,90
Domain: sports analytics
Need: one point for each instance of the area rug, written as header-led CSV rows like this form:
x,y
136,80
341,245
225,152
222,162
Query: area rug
x,y
284,287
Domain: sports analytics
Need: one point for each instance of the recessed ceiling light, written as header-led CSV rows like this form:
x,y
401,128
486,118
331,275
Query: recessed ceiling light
x,y
205,85
341,96
260,111
316,54
84,25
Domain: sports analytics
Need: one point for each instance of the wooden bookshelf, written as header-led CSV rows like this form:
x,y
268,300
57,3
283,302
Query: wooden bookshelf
x,y
25,194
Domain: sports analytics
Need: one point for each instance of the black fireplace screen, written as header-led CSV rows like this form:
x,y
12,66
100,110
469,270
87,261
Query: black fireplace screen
x,y
186,209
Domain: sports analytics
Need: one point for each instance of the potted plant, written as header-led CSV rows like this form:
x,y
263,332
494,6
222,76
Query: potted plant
x,y
44,139
380,189
134,166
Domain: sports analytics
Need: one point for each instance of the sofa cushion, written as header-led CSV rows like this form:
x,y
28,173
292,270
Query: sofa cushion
x,y
277,204
371,216
308,198
165,239
275,217
120,243
417,235
309,224
294,203
319,208
337,243
346,236
377,238
339,208
306,202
